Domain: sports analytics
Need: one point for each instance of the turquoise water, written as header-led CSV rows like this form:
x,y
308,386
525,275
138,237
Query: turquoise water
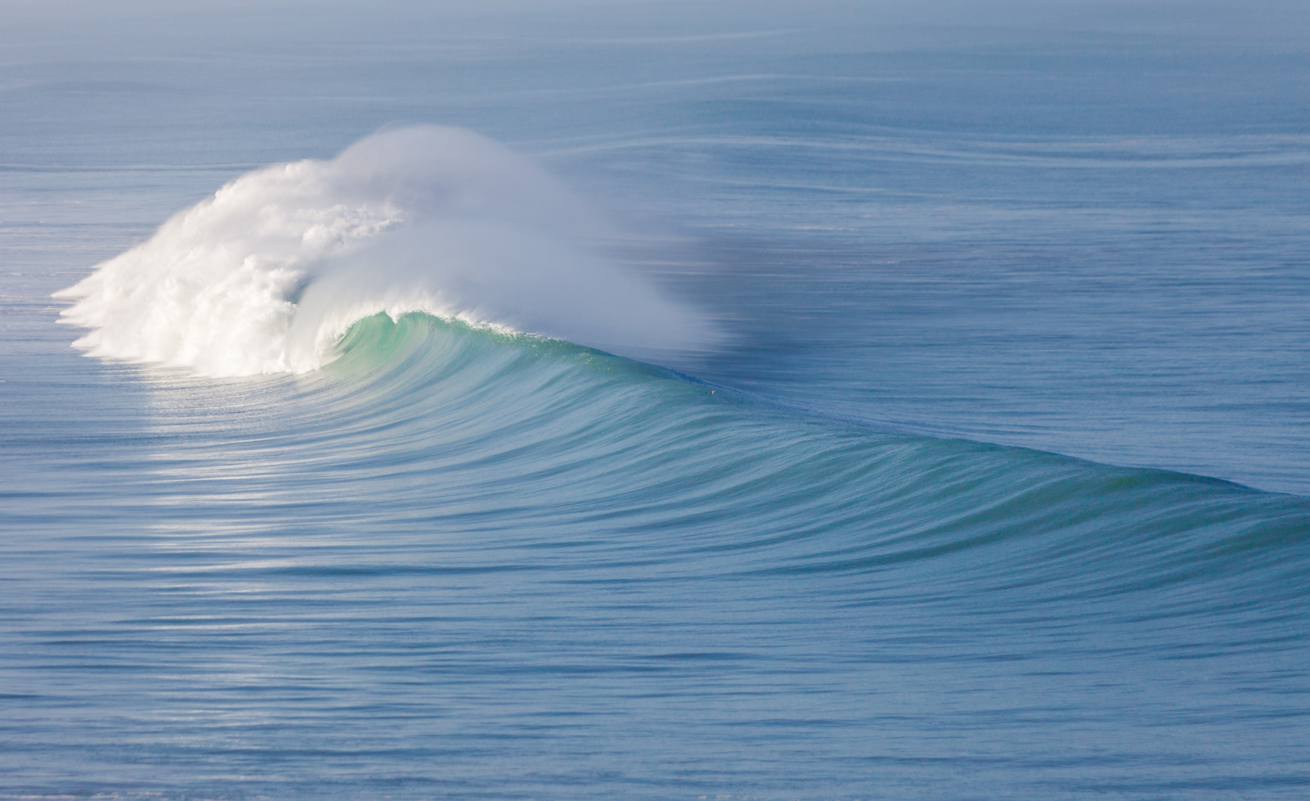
x,y
958,449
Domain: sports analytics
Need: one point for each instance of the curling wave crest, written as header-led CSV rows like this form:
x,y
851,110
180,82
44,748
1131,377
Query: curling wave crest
x,y
268,274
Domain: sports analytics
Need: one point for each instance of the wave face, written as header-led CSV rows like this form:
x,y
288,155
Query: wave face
x,y
269,273
716,483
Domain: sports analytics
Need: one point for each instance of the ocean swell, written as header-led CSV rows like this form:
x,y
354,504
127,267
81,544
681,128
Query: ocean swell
x,y
696,479
268,274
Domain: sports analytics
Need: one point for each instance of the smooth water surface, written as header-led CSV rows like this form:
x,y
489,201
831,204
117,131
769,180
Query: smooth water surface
x,y
990,485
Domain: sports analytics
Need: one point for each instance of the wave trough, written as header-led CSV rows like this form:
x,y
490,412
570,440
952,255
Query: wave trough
x,y
268,274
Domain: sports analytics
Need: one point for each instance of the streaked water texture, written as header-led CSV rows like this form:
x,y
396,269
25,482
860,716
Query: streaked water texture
x,y
462,564
627,402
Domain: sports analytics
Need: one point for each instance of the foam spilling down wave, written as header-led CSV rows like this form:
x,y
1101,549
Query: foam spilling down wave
x,y
268,274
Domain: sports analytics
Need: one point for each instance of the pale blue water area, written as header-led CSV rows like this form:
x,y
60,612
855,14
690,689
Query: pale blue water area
x,y
993,486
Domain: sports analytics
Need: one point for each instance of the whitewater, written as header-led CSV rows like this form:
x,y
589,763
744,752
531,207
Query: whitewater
x,y
270,273
654,401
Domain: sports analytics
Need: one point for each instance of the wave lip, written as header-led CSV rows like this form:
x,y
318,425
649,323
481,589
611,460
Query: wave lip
x,y
268,274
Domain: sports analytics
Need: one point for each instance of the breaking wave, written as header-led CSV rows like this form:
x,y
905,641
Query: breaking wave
x,y
268,274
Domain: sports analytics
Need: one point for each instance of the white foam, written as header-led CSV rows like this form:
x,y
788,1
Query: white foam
x,y
270,272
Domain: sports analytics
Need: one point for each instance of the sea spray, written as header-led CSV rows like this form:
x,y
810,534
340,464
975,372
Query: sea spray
x,y
269,273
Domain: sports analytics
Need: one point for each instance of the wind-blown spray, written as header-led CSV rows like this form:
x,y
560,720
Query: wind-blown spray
x,y
268,274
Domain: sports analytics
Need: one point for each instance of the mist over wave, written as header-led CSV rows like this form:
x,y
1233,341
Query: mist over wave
x,y
268,274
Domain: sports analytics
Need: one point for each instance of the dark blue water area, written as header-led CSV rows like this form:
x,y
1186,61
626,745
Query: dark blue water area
x,y
996,490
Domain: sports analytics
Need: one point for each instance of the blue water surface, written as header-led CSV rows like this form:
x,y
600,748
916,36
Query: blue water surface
x,y
996,489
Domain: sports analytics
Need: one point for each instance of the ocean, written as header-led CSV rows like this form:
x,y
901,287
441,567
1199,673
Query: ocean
x,y
625,400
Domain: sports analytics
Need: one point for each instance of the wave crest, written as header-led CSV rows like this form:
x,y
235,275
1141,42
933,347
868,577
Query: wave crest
x,y
268,274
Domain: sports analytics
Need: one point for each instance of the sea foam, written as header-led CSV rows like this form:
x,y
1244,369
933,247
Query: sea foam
x,y
268,274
